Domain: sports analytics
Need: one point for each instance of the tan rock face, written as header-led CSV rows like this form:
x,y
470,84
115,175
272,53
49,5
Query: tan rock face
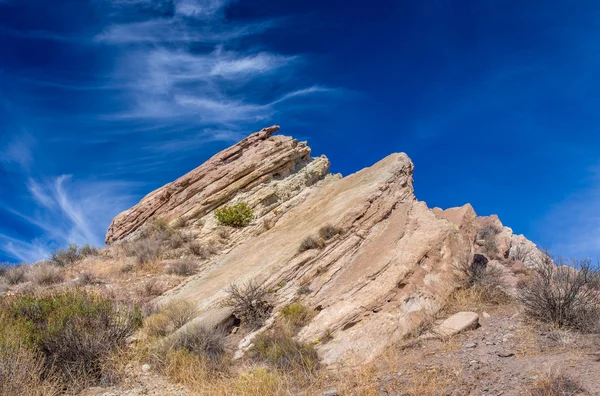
x,y
258,162
390,266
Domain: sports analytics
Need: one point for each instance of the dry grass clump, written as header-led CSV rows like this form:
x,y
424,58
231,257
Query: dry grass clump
x,y
181,222
44,274
144,250
250,304
488,235
482,282
563,294
297,314
75,332
157,325
86,278
170,317
279,349
310,242
152,288
329,231
72,254
22,370
554,383
15,274
197,250
183,267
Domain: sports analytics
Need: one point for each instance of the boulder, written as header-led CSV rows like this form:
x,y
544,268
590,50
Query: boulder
x,y
457,323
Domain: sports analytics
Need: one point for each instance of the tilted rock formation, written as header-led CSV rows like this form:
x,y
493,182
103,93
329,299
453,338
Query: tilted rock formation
x,y
252,170
390,265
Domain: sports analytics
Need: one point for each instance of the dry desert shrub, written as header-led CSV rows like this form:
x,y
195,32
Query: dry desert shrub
x,y
554,383
488,237
44,274
144,250
279,349
297,315
563,294
170,317
75,332
250,304
22,370
183,267
15,274
179,312
86,278
157,325
152,288
197,250
310,242
480,281
329,231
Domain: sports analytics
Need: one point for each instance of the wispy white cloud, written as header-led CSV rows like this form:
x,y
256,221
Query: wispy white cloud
x,y
572,227
67,211
19,151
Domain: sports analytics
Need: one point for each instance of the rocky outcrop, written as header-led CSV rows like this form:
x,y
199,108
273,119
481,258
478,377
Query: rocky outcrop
x,y
390,264
264,170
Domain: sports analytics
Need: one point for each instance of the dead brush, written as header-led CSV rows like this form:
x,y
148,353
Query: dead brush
x,y
15,274
44,274
309,243
329,231
279,349
480,282
554,383
250,303
563,294
183,267
297,314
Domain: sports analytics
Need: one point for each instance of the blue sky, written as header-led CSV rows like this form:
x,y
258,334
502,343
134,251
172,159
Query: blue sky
x,y
496,102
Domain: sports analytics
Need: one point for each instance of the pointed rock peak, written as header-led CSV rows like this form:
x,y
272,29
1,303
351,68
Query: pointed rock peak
x,y
263,168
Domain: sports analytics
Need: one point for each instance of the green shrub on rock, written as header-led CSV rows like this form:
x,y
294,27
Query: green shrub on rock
x,y
238,215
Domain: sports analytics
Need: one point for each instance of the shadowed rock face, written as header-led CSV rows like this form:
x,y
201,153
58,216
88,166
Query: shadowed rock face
x,y
391,264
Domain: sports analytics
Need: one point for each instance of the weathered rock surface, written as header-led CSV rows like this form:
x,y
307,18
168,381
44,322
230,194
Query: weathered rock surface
x,y
458,323
392,263
264,170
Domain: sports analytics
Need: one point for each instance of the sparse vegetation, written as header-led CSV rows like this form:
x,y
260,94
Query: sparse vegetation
x,y
487,236
144,250
328,231
196,249
88,250
181,222
152,288
554,383
563,294
250,304
65,257
282,351
297,314
310,242
74,332
238,215
183,267
44,274
483,280
87,278
179,312
15,274
200,341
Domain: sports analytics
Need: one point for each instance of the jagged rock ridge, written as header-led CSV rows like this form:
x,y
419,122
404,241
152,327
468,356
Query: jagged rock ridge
x,y
371,284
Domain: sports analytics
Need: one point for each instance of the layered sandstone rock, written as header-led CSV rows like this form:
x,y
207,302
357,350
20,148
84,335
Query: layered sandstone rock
x,y
391,265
